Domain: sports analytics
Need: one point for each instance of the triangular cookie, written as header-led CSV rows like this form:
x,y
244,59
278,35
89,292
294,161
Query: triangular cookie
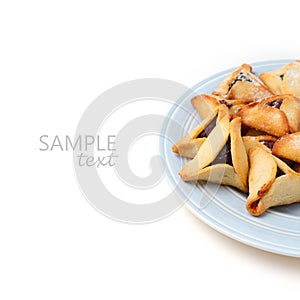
x,y
242,84
267,186
276,115
288,147
290,105
189,144
264,117
206,103
266,142
222,158
283,80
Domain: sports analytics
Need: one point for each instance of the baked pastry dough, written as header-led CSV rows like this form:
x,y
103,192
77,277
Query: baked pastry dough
x,y
265,118
205,104
276,115
242,84
189,144
247,120
248,131
210,148
288,147
274,79
261,177
290,105
291,80
229,168
285,190
265,142
265,190
284,80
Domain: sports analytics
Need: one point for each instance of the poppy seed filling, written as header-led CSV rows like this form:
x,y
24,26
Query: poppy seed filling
x,y
275,103
239,77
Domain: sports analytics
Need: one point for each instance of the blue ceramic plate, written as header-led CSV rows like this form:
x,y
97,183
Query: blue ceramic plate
x,y
222,207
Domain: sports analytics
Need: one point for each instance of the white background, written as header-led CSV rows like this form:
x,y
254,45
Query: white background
x,y
56,58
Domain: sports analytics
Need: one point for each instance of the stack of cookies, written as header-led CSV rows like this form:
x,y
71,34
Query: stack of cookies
x,y
249,137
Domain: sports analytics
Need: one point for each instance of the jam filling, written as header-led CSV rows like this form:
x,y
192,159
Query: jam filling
x,y
204,133
239,77
244,129
224,157
268,144
296,167
279,173
225,102
275,103
254,206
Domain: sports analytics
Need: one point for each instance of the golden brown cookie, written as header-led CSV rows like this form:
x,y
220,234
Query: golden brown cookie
x,y
288,147
277,194
210,148
266,142
291,80
285,190
242,84
228,166
273,82
285,80
265,118
262,174
290,105
267,187
274,79
206,103
189,144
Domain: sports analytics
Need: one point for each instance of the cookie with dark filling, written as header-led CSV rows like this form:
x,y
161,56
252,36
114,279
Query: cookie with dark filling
x,y
285,80
205,104
288,104
291,80
264,117
221,159
190,143
288,147
245,122
265,142
267,186
242,84
274,79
